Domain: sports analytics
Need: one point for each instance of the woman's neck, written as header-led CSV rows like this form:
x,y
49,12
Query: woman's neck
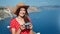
x,y
19,17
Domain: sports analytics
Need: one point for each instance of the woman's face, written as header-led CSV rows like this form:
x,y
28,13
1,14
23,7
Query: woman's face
x,y
22,12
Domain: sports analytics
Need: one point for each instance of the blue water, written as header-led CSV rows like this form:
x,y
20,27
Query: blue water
x,y
46,22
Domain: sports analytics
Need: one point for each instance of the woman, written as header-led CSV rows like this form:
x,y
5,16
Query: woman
x,y
16,24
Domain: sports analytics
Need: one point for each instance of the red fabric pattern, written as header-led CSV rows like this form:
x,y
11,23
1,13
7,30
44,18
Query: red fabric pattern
x,y
16,25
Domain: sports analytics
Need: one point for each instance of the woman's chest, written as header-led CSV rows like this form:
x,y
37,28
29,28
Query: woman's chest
x,y
21,21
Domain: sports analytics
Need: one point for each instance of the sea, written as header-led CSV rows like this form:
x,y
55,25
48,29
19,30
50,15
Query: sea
x,y
45,21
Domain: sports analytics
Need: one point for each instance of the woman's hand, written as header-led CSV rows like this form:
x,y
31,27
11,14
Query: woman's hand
x,y
31,26
22,27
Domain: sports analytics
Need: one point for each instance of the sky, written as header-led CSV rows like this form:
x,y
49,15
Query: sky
x,y
30,2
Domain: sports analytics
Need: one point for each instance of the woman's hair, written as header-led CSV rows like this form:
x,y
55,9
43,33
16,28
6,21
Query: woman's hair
x,y
18,10
25,16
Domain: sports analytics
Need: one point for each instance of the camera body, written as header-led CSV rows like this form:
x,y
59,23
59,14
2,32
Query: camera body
x,y
27,25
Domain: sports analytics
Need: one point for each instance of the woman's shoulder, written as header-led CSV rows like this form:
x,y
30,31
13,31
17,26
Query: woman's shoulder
x,y
13,22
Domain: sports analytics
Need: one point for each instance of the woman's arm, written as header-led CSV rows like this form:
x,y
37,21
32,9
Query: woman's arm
x,y
13,31
18,32
32,32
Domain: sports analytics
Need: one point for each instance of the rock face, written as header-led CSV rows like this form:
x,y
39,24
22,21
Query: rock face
x,y
5,13
8,11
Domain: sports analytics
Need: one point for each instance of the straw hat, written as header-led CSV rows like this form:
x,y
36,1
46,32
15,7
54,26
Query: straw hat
x,y
19,5
22,4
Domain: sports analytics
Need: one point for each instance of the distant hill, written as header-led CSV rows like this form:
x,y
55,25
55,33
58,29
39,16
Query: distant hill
x,y
55,6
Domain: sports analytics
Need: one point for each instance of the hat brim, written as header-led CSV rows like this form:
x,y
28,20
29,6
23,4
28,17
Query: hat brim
x,y
26,7
23,7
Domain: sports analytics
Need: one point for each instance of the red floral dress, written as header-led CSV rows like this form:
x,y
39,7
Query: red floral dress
x,y
16,25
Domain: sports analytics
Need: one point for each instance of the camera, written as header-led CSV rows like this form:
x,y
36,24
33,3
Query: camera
x,y
27,25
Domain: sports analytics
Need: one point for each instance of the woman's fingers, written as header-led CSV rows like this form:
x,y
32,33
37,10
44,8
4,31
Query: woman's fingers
x,y
22,27
31,26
